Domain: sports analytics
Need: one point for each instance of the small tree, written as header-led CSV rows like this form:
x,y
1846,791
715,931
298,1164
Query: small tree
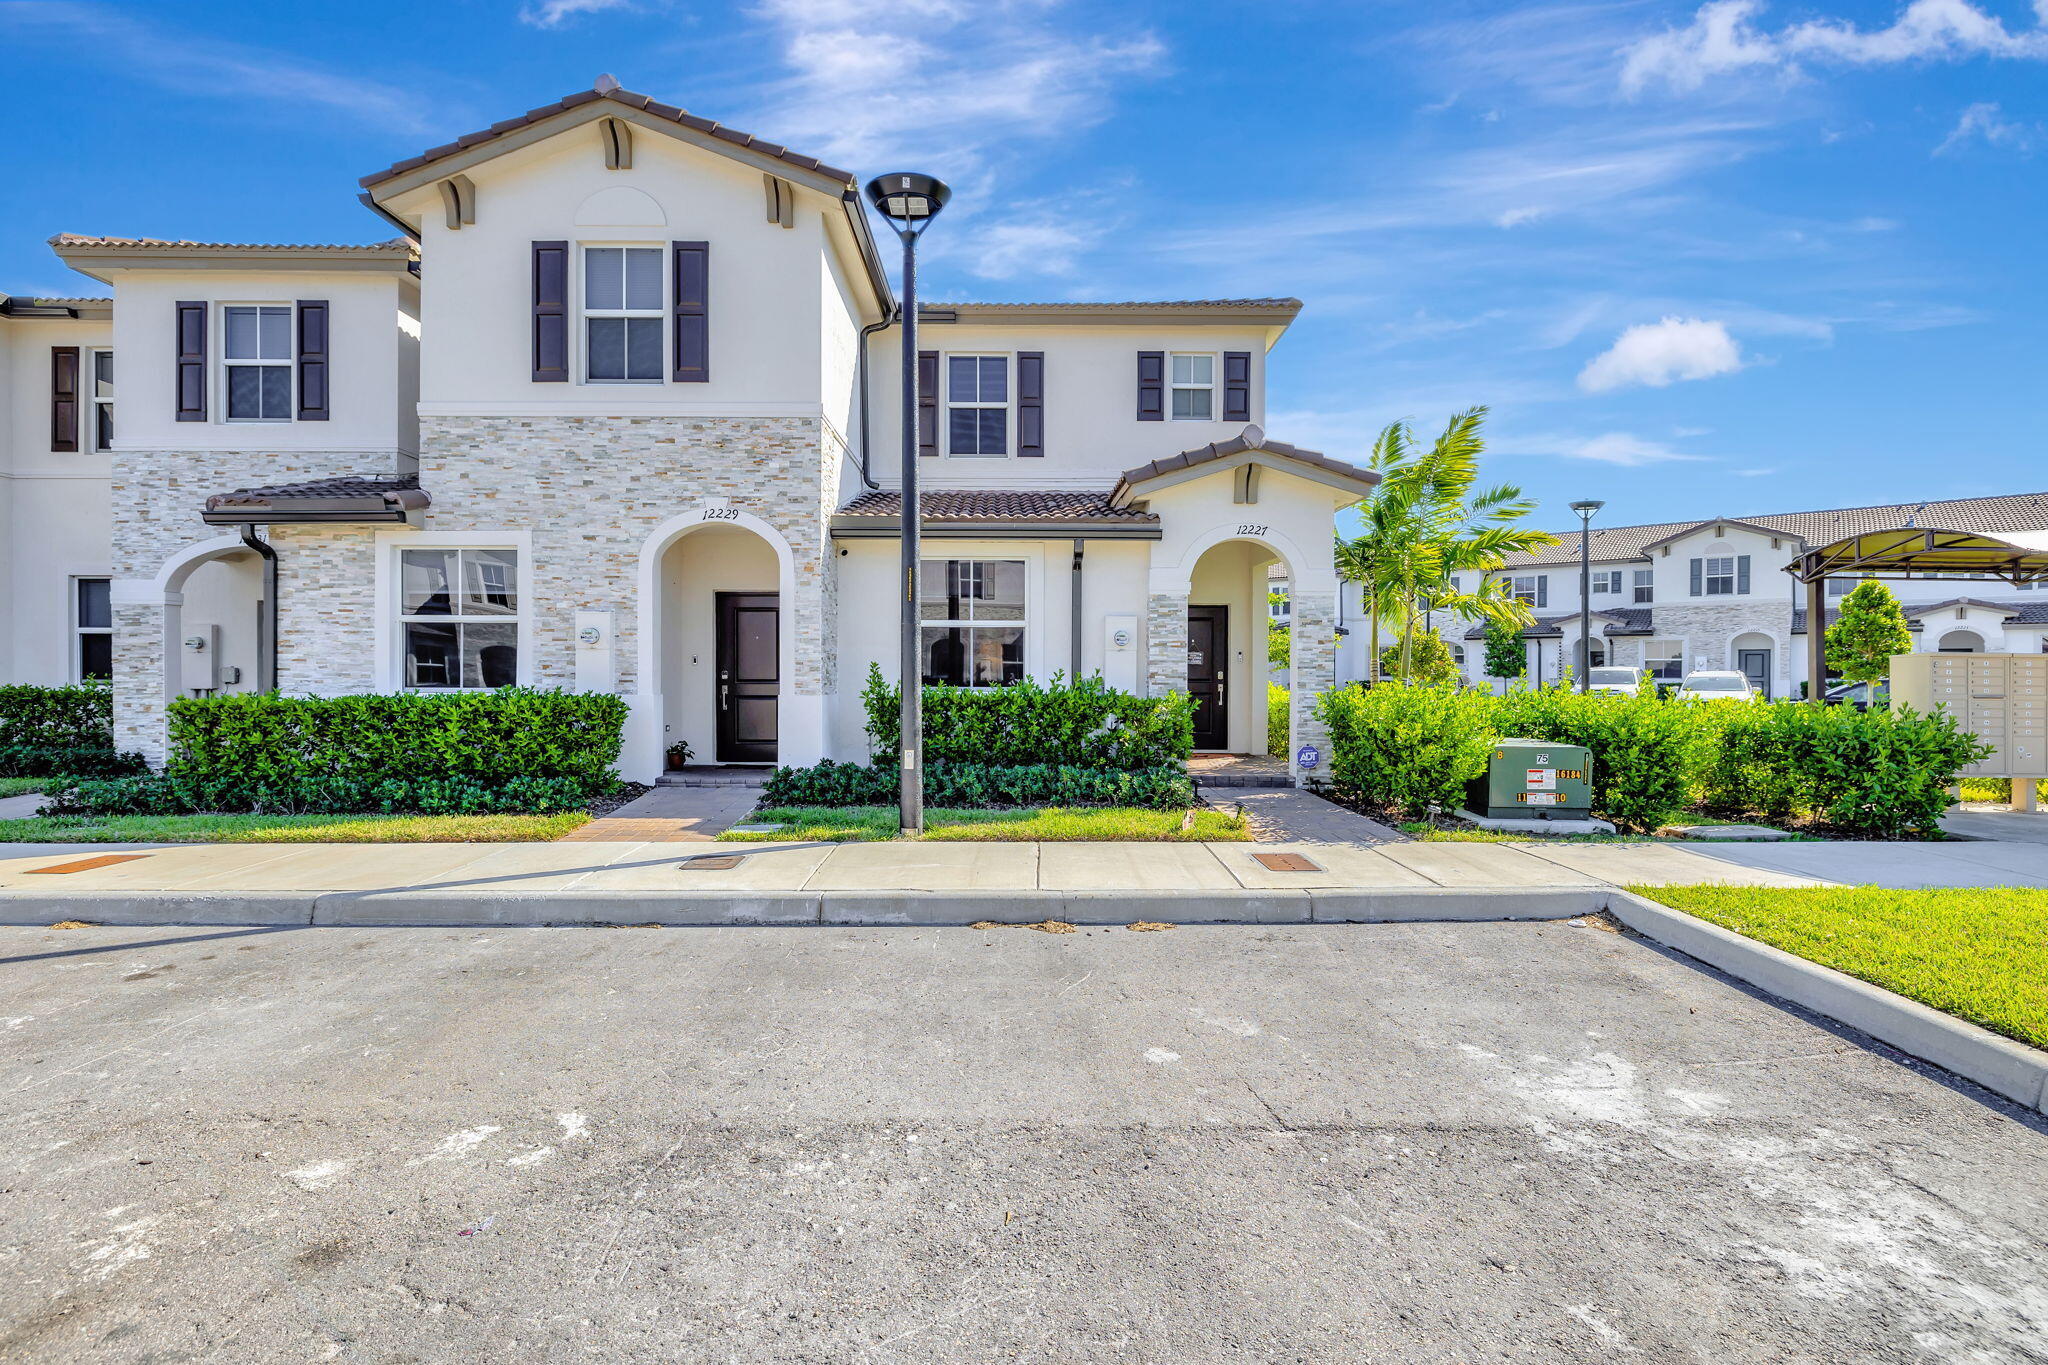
x,y
1429,660
1279,639
1506,656
1871,629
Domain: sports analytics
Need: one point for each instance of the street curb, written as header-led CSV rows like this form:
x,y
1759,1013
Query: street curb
x,y
428,907
2000,1065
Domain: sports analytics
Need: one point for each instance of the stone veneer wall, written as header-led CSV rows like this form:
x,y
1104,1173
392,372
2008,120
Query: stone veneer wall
x,y
1166,643
1312,671
591,489
1707,631
157,498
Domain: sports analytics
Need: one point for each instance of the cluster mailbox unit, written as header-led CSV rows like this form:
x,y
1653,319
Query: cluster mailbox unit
x,y
2000,698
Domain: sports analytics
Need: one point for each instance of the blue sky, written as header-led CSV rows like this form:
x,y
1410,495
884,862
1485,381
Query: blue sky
x,y
1699,259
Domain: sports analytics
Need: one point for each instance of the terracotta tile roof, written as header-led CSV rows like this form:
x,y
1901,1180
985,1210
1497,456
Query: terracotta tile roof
x,y
2011,512
998,504
1251,438
1616,621
1259,304
609,90
396,246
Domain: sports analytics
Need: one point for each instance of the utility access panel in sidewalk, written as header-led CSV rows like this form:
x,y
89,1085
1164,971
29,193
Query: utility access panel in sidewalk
x,y
1530,779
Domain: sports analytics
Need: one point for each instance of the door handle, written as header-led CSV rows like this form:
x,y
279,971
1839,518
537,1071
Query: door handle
x,y
722,690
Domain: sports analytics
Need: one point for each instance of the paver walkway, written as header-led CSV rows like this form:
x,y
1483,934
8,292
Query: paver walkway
x,y
21,807
1998,822
673,815
1289,815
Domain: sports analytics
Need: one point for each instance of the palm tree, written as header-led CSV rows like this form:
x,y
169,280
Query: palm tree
x,y
1425,523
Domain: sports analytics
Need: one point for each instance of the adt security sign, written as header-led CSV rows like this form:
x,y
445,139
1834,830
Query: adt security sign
x,y
1307,759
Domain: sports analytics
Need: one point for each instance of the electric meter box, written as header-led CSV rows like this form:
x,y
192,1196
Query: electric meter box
x,y
1529,779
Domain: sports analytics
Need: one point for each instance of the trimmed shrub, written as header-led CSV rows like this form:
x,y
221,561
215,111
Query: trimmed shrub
x,y
1083,724
1645,748
173,794
1276,720
975,785
1884,773
60,731
1407,748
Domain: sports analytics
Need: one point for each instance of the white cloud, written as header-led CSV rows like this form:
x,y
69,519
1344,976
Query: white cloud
x,y
1983,120
1614,447
220,70
1006,250
939,82
1751,473
1660,353
552,13
1723,37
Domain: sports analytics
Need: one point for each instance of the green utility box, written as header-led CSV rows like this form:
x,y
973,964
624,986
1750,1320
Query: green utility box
x,y
1529,779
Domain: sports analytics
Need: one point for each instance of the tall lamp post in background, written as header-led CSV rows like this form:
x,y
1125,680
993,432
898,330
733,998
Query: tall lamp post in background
x,y
1586,507
910,201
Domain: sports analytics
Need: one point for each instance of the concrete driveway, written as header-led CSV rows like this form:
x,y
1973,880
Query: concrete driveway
x,y
1401,1143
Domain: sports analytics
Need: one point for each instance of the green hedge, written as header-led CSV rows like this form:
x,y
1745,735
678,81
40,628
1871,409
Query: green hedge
x,y
173,794
60,731
1276,720
973,785
1883,773
1083,724
1644,747
1409,749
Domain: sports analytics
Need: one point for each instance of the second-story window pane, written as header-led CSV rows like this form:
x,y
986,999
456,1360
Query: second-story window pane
x,y
623,334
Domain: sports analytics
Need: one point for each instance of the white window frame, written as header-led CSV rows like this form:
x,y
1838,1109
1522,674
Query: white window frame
x,y
1606,582
1008,405
227,363
1027,563
1708,574
97,409
584,312
1677,658
1173,386
389,661
79,630
1515,589
1643,587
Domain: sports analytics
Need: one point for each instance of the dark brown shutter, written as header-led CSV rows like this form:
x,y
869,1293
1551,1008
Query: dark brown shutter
x,y
550,312
1031,404
1151,386
191,361
1237,386
927,402
692,315
312,360
64,398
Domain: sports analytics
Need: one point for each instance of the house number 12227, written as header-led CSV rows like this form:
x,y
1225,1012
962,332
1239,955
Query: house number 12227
x,y
721,514
1248,529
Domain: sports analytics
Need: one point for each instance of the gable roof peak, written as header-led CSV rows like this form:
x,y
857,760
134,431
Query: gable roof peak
x,y
605,83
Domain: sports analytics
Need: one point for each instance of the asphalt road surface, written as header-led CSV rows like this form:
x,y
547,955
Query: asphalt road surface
x,y
1356,1143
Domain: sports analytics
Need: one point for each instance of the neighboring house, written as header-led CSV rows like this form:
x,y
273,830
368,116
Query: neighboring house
x,y
1677,596
617,412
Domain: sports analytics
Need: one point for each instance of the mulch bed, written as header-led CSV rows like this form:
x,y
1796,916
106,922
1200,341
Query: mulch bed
x,y
617,797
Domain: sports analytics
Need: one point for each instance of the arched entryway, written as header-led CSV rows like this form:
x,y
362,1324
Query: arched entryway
x,y
1227,623
199,627
1755,656
1961,642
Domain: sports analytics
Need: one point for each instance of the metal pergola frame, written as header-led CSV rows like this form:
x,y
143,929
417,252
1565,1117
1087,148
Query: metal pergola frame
x,y
1905,552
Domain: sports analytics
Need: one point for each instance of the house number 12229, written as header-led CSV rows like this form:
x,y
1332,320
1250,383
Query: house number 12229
x,y
1248,529
721,514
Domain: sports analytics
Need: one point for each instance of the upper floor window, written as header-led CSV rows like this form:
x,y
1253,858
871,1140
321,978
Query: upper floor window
x,y
459,611
100,381
1715,576
93,618
1533,589
1194,387
972,616
622,314
258,359
1839,587
977,405
1607,581
1645,586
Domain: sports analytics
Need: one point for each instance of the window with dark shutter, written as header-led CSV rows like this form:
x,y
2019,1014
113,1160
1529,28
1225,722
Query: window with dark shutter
x,y
550,312
1031,404
1542,592
191,374
1742,573
312,360
1699,577
692,311
64,398
1237,386
1151,386
927,402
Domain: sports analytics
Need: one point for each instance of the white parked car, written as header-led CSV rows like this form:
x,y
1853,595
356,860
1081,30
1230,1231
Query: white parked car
x,y
1624,682
1715,685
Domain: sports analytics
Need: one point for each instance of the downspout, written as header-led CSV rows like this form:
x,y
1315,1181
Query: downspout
x,y
860,382
1074,675
266,667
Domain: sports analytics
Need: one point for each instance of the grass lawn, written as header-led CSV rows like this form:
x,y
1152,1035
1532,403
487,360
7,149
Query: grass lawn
x,y
1053,824
1427,833
1980,954
289,829
22,786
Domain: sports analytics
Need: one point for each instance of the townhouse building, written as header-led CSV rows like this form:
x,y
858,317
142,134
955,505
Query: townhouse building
x,y
604,413
1673,597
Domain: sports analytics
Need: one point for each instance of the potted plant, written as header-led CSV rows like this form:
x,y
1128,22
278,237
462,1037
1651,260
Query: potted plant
x,y
678,755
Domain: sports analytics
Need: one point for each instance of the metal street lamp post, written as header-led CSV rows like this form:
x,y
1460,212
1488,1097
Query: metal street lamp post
x,y
1586,507
910,201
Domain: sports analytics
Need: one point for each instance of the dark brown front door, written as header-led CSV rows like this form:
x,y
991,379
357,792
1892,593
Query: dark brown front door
x,y
1208,649
749,675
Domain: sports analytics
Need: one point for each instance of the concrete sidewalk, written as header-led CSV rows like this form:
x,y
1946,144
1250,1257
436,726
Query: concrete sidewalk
x,y
907,883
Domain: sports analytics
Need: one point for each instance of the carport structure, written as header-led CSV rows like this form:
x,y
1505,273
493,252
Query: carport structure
x,y
2019,558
